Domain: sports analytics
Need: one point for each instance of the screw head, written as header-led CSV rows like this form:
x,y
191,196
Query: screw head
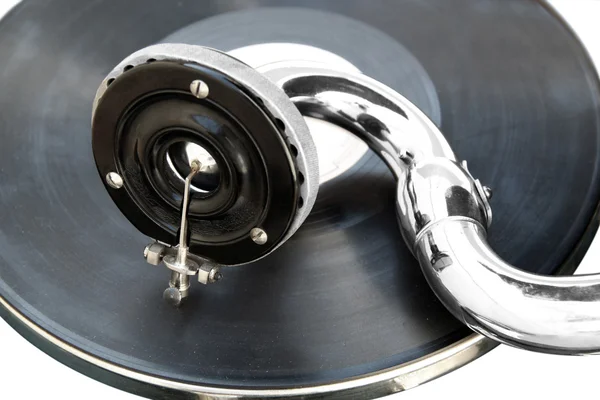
x,y
488,192
147,251
199,89
114,180
441,261
258,236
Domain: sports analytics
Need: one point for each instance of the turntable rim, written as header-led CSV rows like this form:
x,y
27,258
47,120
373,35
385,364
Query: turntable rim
x,y
381,383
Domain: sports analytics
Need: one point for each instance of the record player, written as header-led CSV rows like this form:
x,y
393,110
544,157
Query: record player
x,y
325,171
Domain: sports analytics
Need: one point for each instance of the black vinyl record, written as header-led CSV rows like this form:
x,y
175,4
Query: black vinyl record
x,y
507,82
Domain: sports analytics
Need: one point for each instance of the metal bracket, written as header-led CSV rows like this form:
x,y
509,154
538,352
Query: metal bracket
x,y
485,193
157,253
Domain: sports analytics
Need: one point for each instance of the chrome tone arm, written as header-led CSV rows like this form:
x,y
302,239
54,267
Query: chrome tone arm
x,y
444,214
548,314
391,125
542,313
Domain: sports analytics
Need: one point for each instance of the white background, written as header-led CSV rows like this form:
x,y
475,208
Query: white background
x,y
27,373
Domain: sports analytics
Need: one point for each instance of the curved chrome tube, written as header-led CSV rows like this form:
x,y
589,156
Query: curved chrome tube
x,y
444,213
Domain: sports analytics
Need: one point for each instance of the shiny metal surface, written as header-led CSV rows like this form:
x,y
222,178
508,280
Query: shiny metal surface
x,y
114,180
406,140
179,260
154,253
209,273
443,213
178,290
433,190
199,89
541,313
259,236
179,265
391,125
179,158
183,229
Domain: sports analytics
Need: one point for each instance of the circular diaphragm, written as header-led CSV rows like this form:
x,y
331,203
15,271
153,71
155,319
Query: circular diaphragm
x,y
168,105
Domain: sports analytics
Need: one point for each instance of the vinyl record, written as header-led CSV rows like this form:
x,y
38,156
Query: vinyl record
x,y
342,307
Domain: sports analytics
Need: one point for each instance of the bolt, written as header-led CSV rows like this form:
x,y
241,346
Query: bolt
x,y
195,165
114,180
258,236
407,156
214,275
154,252
488,192
199,89
440,261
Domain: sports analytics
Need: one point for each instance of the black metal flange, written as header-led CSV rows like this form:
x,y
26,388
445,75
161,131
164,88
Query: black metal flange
x,y
148,110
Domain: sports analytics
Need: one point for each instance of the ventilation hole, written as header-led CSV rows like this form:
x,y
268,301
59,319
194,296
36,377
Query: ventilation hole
x,y
151,60
280,124
300,202
300,177
294,150
128,67
259,101
108,82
